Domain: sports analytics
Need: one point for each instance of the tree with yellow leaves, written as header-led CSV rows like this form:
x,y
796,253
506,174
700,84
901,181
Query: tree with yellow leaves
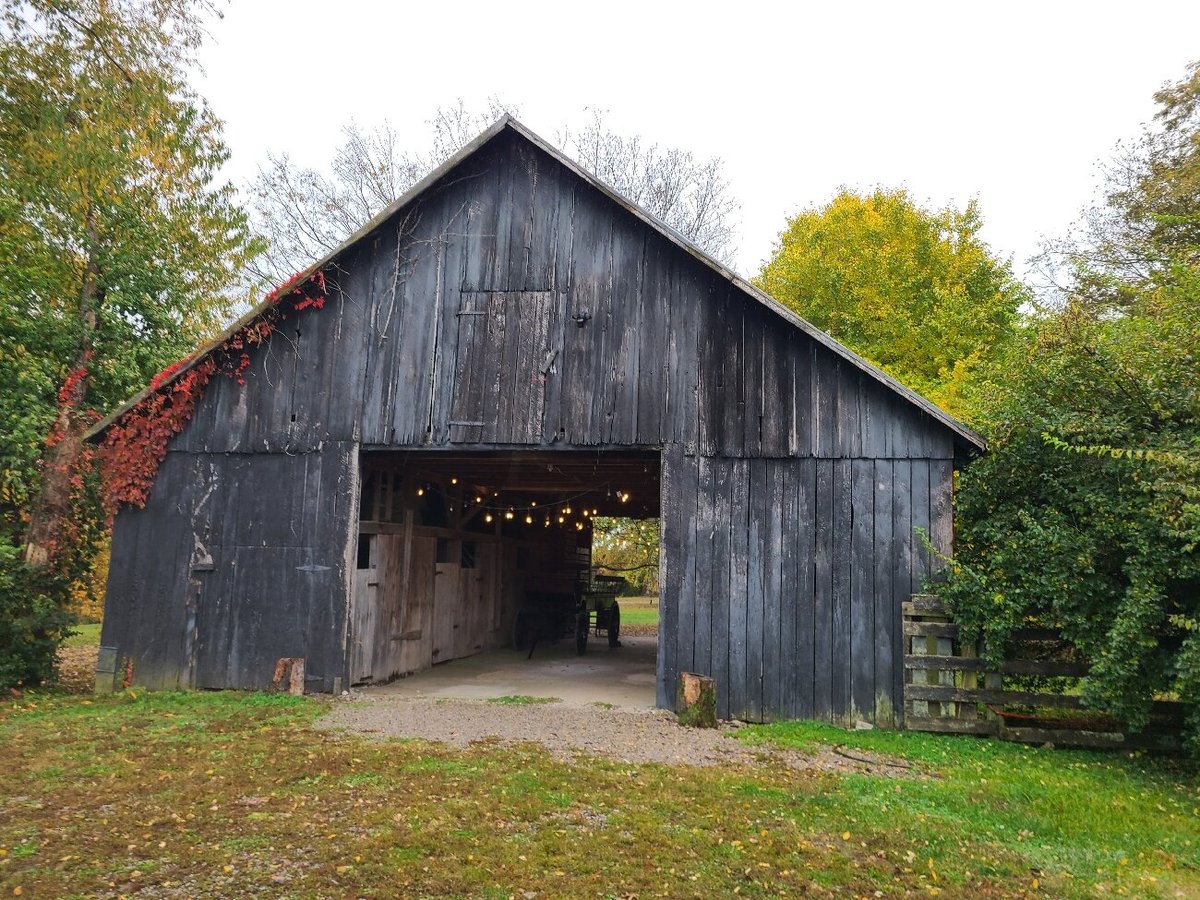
x,y
916,292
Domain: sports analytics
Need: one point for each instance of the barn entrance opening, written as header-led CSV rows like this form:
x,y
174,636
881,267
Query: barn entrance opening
x,y
460,553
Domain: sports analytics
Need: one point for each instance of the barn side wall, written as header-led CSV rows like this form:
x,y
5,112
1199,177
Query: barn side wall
x,y
236,560
783,580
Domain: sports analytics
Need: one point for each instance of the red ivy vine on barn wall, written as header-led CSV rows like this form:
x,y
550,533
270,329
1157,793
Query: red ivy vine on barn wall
x,y
136,443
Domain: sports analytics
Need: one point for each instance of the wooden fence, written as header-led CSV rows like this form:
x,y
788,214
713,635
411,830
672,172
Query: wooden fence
x,y
948,688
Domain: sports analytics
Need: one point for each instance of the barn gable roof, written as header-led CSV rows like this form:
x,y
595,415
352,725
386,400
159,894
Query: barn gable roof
x,y
965,438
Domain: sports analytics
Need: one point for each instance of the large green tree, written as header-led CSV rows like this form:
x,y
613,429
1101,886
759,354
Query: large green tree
x,y
1085,514
117,247
916,292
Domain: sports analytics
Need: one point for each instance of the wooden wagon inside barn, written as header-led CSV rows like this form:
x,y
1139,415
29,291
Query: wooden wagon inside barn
x,y
424,435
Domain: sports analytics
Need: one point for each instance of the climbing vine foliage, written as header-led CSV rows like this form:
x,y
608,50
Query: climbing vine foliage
x,y
137,440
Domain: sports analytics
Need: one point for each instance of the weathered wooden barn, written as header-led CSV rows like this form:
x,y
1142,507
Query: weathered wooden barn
x,y
508,350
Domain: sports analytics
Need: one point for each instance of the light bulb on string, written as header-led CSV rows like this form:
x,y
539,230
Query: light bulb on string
x,y
488,518
478,499
421,491
561,519
454,481
567,510
579,526
528,519
508,515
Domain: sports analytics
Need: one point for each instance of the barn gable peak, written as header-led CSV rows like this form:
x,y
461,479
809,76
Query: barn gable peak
x,y
965,438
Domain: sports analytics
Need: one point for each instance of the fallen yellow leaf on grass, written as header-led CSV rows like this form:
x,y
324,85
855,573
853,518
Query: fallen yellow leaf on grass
x,y
845,835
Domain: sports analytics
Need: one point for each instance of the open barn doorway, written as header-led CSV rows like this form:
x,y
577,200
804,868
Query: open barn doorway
x,y
462,553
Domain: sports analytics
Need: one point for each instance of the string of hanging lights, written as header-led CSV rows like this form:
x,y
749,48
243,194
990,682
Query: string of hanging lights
x,y
557,512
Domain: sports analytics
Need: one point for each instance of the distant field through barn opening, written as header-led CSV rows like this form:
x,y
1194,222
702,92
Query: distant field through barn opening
x,y
461,553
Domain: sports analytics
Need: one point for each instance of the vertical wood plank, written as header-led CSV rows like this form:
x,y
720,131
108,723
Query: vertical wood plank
x,y
739,563
921,563
842,555
751,411
420,261
685,629
670,571
863,635
492,365
824,404
773,660
629,304
561,267
901,549
704,594
454,276
804,472
800,435
941,513
689,316
719,579
711,373
756,588
778,414
732,398
583,349
889,651
823,558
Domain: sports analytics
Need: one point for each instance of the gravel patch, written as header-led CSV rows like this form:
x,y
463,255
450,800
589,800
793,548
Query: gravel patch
x,y
573,733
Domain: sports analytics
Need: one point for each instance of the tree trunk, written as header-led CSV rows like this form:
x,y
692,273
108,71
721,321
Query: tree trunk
x,y
51,508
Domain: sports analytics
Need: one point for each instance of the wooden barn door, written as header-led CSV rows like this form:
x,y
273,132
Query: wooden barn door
x,y
505,355
447,601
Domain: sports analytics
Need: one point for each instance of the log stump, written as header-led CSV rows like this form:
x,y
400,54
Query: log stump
x,y
696,703
289,675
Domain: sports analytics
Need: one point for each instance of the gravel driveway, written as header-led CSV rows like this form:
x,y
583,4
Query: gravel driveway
x,y
569,732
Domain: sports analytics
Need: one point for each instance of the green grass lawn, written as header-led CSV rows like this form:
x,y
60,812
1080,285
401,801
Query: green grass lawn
x,y
84,636
227,794
639,610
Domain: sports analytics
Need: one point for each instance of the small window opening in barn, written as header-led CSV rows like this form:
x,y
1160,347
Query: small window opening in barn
x,y
467,555
365,546
443,550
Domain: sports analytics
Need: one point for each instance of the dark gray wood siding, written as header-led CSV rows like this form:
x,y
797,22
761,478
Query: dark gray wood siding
x,y
236,560
514,305
783,580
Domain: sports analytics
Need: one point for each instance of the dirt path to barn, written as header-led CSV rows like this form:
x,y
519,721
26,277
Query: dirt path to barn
x,y
571,730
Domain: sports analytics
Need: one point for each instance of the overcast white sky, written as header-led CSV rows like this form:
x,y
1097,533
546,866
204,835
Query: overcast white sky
x,y
1010,102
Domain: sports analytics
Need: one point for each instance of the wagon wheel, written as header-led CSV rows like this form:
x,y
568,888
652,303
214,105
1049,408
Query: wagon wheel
x,y
582,626
614,625
521,628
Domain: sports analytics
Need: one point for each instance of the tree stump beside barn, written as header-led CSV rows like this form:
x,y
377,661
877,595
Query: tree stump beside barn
x,y
506,352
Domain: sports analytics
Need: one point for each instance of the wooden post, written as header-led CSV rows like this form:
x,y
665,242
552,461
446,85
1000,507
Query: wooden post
x,y
289,675
697,701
